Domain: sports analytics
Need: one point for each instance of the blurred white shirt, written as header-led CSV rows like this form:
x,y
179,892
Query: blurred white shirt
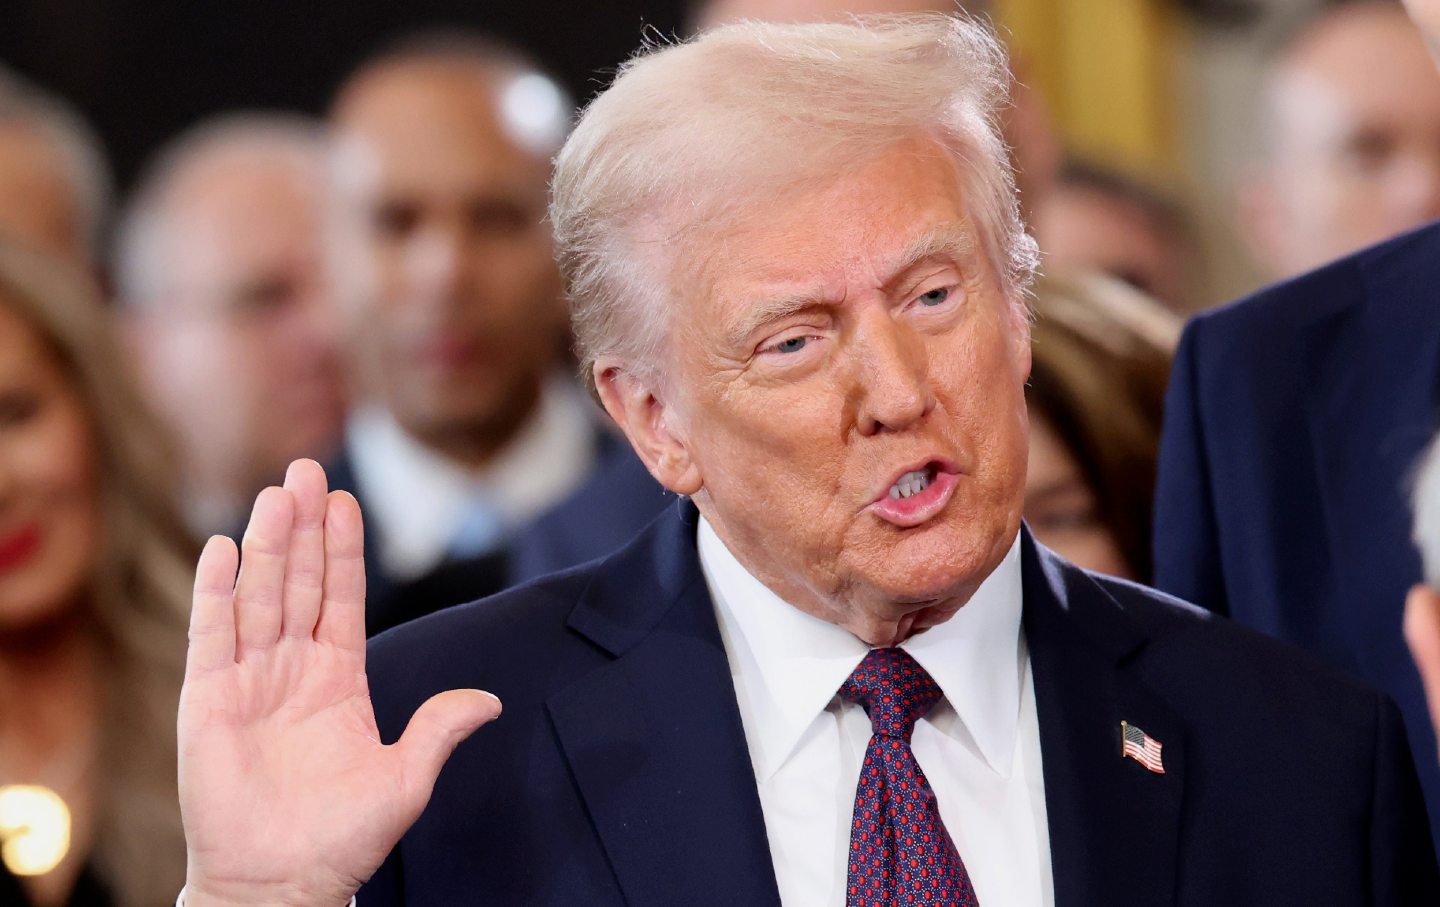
x,y
418,501
979,747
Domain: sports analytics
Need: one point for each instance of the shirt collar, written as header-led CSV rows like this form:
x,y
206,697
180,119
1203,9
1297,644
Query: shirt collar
x,y
788,665
418,498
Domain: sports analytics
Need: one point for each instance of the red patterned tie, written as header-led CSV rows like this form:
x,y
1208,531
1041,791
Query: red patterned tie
x,y
900,852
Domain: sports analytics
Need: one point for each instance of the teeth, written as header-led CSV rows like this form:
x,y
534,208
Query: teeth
x,y
911,483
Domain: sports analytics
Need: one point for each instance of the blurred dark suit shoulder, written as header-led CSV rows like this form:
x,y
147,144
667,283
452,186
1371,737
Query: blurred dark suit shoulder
x,y
1293,423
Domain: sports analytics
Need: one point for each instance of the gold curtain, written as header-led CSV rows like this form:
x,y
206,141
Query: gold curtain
x,y
1107,70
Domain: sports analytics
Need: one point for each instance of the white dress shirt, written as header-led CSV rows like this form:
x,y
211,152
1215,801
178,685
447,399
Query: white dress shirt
x,y
979,746
417,499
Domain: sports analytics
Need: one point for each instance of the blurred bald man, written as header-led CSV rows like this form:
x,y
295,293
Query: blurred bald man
x,y
1351,139
222,287
467,430
55,184
1026,123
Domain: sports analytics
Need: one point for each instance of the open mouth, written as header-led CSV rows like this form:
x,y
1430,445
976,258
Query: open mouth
x,y
917,495
914,482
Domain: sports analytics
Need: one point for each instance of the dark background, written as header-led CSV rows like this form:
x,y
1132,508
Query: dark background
x,y
143,70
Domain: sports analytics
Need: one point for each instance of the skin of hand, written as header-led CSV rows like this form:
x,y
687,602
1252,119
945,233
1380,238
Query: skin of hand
x,y
287,794
1422,634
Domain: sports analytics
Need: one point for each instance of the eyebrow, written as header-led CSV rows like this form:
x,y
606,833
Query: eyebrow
x,y
947,240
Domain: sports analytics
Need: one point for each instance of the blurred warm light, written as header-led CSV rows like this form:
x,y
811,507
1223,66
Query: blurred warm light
x,y
34,829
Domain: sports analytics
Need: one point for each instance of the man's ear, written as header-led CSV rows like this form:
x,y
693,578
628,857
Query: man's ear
x,y
641,412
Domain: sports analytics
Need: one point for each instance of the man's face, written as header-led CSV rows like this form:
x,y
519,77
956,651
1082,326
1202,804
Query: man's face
x,y
846,380
37,200
1356,149
247,321
1084,229
443,258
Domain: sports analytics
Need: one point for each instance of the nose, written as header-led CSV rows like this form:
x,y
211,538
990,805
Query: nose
x,y
892,378
435,262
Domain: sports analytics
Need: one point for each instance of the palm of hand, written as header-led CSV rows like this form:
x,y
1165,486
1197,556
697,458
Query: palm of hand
x,y
285,786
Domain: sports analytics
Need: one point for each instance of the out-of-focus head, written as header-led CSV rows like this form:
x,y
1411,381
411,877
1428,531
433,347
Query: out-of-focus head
x,y
1426,507
54,181
91,543
1422,604
1426,14
1101,362
1102,220
796,268
444,265
1026,122
81,466
1350,129
220,274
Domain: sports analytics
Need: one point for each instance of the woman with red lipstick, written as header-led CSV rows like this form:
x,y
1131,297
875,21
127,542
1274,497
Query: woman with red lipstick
x,y
1101,358
94,579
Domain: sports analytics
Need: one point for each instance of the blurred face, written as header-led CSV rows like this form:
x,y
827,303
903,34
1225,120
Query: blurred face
x,y
443,259
1356,151
37,202
241,353
1083,229
49,507
1426,14
1060,506
844,397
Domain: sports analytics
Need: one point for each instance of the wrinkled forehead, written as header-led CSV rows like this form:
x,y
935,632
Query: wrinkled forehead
x,y
829,234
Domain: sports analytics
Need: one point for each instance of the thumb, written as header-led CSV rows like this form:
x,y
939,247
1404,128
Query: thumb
x,y
434,731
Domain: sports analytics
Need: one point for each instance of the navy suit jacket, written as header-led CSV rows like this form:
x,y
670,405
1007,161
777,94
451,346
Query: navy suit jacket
x,y
615,501
619,773
1293,423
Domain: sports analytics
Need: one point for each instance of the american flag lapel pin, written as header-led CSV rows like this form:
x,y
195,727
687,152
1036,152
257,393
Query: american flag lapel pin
x,y
1141,747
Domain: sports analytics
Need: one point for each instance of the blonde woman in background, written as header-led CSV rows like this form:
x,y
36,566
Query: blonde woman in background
x,y
1100,354
94,580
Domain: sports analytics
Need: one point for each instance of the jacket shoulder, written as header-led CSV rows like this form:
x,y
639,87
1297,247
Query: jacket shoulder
x,y
1193,652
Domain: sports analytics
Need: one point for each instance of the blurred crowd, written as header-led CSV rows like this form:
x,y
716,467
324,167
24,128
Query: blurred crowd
x,y
376,290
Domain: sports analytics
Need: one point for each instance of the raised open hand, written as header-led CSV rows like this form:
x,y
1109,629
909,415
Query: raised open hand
x,y
287,793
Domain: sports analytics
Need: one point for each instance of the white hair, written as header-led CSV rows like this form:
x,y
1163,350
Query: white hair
x,y
1426,503
690,133
144,247
78,148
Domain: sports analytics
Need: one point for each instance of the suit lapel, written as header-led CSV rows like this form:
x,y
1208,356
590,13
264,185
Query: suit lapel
x,y
1371,416
1114,824
654,737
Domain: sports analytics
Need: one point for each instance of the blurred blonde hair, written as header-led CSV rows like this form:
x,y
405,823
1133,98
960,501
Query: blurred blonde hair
x,y
690,134
1100,362
139,598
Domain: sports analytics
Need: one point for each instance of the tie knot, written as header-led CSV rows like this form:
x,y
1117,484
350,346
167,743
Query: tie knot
x,y
893,690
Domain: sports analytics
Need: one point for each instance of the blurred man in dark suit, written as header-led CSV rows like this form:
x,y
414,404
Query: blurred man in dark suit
x,y
842,671
1292,423
466,429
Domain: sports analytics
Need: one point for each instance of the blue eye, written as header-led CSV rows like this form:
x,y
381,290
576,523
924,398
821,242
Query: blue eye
x,y
935,297
793,345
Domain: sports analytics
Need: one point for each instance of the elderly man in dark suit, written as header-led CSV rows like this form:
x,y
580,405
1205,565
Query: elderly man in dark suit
x,y
840,670
1294,421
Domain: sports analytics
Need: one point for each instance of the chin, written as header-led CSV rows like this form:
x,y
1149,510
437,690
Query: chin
x,y
938,563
